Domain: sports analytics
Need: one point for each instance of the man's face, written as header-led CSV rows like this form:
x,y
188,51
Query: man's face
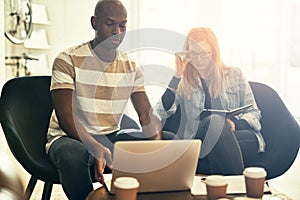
x,y
110,24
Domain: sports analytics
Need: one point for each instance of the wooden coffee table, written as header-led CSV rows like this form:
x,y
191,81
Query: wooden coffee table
x,y
102,194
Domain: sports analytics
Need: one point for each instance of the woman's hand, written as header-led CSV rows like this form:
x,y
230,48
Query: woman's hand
x,y
231,124
181,63
103,159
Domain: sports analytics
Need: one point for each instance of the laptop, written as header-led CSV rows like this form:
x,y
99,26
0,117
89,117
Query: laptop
x,y
158,165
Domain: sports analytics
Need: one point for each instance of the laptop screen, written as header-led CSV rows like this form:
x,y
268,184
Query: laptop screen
x,y
159,165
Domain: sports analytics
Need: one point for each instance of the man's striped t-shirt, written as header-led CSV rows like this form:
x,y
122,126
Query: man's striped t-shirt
x,y
101,89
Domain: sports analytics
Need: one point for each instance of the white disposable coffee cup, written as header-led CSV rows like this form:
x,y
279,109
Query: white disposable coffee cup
x,y
126,188
254,181
216,186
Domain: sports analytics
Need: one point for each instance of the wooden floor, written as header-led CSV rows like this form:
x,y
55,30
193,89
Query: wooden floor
x,y
289,182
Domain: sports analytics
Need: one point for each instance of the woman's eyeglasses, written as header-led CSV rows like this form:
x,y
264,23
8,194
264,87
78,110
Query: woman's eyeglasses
x,y
202,54
193,54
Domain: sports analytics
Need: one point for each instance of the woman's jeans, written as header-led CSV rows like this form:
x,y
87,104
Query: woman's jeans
x,y
75,165
223,151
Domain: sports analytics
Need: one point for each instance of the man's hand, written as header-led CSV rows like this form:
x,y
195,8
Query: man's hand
x,y
103,159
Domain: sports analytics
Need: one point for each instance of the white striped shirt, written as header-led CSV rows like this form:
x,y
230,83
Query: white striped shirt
x,y
102,89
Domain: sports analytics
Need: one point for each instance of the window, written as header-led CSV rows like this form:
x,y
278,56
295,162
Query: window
x,y
261,37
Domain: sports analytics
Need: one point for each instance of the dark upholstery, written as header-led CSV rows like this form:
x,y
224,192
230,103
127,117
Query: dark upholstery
x,y
279,129
25,109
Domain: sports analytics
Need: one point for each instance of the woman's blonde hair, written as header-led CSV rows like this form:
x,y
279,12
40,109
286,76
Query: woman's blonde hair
x,y
190,77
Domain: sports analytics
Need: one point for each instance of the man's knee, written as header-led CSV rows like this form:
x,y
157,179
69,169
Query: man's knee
x,y
68,151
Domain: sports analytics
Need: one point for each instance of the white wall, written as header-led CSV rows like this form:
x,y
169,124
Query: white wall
x,y
2,61
2,54
69,24
70,20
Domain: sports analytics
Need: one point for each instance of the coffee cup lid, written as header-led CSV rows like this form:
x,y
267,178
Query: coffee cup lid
x,y
215,180
255,172
126,183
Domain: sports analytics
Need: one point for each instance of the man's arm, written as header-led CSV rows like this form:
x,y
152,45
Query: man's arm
x,y
63,105
149,122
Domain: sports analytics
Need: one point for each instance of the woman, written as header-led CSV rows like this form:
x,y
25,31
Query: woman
x,y
202,81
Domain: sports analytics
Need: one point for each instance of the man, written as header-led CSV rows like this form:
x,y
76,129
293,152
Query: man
x,y
91,85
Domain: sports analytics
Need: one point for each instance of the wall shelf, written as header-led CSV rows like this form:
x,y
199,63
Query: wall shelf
x,y
39,14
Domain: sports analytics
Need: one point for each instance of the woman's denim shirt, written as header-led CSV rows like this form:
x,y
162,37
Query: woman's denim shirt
x,y
236,92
